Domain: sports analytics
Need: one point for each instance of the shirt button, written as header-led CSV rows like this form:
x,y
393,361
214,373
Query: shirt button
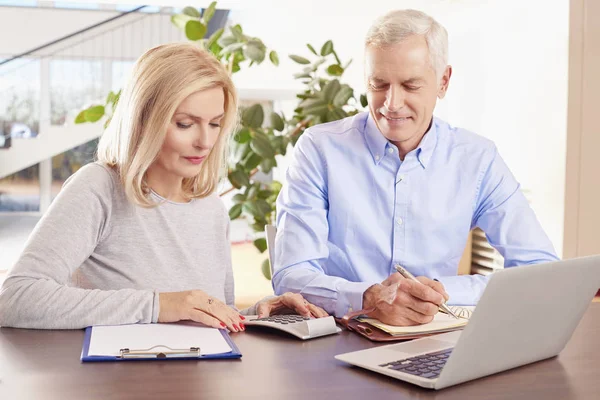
x,y
390,150
401,177
399,221
377,157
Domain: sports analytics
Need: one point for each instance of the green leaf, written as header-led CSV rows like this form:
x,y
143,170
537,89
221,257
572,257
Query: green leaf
x,y
255,51
252,161
239,151
239,178
180,20
268,164
261,244
312,49
252,209
266,269
264,194
274,58
335,114
253,116
214,37
236,30
192,12
301,75
80,119
225,41
252,191
243,136
215,49
94,113
335,70
209,12
327,48
342,97
330,90
263,206
235,211
110,98
259,225
299,60
314,106
232,48
238,198
277,122
195,30
262,147
363,100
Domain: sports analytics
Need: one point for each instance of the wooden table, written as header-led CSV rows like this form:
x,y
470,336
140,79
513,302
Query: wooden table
x,y
45,365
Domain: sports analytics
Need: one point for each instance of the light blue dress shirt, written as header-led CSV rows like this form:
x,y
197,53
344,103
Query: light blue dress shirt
x,y
351,209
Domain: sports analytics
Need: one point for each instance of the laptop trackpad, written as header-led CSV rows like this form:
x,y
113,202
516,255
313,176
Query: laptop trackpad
x,y
421,346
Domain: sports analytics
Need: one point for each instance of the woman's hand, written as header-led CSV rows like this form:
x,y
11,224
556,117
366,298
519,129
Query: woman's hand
x,y
289,303
198,306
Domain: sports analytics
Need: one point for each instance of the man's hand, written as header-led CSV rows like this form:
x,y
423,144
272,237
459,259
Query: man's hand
x,y
198,306
289,303
415,303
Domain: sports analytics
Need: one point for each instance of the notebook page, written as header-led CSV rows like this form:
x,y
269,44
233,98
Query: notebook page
x,y
441,321
109,340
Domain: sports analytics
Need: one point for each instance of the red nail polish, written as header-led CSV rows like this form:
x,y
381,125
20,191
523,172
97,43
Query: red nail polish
x,y
242,317
223,325
242,326
237,328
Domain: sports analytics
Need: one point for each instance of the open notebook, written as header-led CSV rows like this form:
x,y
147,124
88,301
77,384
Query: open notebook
x,y
377,331
442,322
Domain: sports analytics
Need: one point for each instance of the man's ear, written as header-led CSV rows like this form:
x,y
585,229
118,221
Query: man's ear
x,y
444,82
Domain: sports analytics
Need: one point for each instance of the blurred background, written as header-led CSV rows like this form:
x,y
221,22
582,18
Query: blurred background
x,y
511,83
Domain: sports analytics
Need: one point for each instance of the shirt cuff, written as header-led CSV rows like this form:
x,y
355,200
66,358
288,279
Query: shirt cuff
x,y
155,307
350,297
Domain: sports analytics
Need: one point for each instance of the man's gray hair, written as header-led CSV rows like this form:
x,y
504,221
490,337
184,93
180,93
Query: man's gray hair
x,y
396,26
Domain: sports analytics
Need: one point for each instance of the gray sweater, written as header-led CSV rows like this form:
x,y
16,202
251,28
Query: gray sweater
x,y
96,259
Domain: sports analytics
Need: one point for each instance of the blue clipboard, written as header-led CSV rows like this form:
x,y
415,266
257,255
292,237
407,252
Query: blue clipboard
x,y
191,354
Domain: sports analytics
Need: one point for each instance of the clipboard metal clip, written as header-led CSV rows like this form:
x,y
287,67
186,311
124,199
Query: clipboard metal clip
x,y
149,353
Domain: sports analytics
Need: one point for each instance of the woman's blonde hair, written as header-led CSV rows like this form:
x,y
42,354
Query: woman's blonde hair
x,y
161,79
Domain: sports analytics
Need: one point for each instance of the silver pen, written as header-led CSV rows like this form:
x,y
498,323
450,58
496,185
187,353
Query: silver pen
x,y
410,276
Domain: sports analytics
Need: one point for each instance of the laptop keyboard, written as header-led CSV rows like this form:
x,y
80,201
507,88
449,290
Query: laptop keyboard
x,y
426,365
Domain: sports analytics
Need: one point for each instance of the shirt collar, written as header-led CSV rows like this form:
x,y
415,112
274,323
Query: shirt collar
x,y
377,143
425,148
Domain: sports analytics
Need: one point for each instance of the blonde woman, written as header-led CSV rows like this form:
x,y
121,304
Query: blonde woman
x,y
140,236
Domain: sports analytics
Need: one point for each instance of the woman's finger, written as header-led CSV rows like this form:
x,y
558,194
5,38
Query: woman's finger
x,y
208,320
222,312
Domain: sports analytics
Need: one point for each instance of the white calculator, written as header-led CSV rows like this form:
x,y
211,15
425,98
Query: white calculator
x,y
297,325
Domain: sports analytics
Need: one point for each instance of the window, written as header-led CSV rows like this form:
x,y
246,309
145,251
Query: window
x,y
74,85
120,73
129,7
19,3
19,101
20,191
76,6
69,162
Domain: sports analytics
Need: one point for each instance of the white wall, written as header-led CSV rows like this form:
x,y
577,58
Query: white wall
x,y
509,58
509,84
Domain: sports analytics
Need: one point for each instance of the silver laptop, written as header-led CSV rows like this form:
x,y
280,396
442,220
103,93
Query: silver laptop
x,y
525,314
